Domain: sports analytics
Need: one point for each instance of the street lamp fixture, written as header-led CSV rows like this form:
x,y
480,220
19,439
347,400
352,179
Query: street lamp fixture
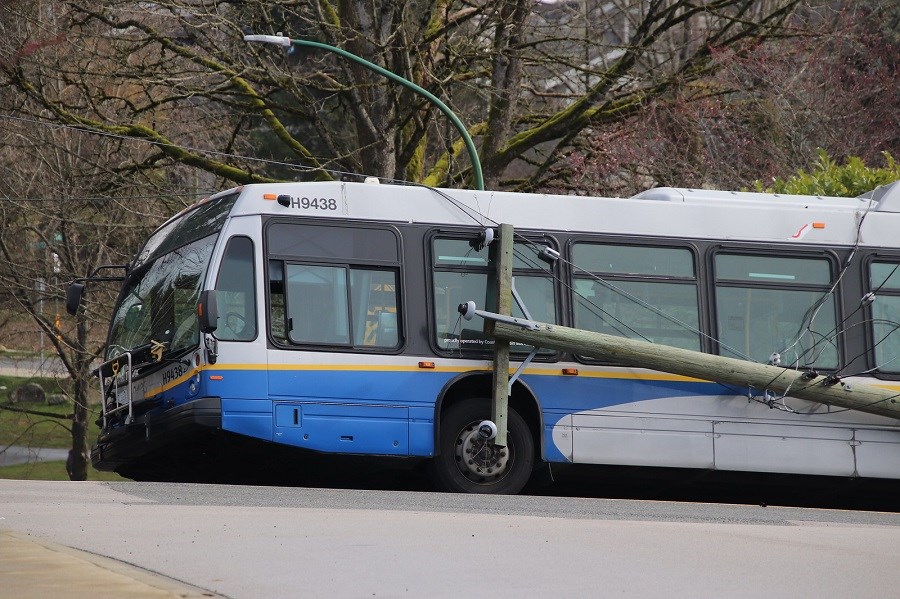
x,y
286,42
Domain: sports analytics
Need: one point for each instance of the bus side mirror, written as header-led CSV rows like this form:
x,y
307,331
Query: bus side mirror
x,y
73,297
208,312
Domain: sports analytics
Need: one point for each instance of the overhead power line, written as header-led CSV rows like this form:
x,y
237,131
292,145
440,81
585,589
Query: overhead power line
x,y
216,153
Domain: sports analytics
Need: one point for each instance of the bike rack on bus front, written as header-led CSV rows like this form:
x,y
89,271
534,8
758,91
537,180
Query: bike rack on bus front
x,y
111,395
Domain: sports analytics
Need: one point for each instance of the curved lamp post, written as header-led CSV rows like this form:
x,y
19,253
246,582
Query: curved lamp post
x,y
280,40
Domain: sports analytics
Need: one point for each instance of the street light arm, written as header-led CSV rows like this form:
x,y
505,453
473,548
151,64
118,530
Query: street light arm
x,y
280,40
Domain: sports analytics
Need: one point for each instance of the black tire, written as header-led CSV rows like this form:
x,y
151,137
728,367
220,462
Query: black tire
x,y
501,470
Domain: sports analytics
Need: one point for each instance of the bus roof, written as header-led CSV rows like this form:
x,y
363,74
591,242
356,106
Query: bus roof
x,y
661,212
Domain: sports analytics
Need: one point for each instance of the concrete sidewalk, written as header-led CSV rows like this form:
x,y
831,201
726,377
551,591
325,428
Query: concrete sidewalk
x,y
35,569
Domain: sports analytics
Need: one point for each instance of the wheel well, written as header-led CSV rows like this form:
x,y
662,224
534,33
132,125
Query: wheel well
x,y
522,399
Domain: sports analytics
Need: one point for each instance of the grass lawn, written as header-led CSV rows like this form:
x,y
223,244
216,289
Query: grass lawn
x,y
51,471
43,429
39,430
51,385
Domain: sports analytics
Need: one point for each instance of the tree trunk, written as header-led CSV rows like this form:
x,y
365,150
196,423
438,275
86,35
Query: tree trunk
x,y
79,454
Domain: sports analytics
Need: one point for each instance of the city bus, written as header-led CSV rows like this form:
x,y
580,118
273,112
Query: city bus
x,y
324,317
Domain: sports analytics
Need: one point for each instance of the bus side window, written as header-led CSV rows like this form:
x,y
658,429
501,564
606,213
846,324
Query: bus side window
x,y
885,283
337,305
373,295
640,292
769,304
462,273
316,299
334,286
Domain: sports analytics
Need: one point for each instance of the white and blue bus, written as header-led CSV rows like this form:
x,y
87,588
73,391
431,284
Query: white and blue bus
x,y
328,322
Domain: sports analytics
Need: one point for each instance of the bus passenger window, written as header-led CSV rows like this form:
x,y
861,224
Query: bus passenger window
x,y
236,292
774,304
334,286
640,292
885,277
373,295
450,290
461,273
317,304
336,305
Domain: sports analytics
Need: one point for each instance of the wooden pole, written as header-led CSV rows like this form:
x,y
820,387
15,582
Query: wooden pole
x,y
630,352
501,254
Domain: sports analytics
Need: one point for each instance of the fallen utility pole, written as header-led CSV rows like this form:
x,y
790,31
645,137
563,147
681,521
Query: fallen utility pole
x,y
501,255
809,385
828,390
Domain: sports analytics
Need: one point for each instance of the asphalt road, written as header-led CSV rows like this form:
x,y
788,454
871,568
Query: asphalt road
x,y
31,366
252,541
18,454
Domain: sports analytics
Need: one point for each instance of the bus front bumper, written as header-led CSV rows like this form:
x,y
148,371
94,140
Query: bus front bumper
x,y
175,427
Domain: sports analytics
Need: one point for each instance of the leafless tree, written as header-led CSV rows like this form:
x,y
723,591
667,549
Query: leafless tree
x,y
763,111
527,77
63,214
69,202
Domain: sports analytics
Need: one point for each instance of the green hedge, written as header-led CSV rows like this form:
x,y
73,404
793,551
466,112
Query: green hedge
x,y
828,178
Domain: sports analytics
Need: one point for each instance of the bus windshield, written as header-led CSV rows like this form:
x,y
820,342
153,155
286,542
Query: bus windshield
x,y
159,301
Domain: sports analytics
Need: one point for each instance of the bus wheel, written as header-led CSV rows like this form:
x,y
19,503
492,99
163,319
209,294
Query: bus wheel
x,y
469,464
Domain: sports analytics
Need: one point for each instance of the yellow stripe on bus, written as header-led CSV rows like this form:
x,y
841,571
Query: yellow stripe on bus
x,y
609,374
606,374
173,383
